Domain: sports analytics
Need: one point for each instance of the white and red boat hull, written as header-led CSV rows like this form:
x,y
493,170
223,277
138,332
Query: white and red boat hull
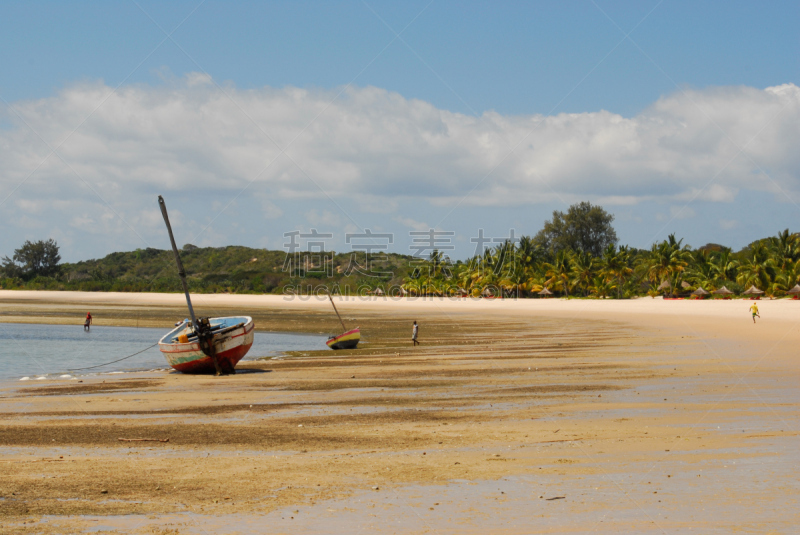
x,y
234,340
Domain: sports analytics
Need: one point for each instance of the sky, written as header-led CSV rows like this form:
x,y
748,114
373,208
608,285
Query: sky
x,y
260,120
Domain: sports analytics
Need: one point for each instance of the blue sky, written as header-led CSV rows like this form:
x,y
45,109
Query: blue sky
x,y
318,114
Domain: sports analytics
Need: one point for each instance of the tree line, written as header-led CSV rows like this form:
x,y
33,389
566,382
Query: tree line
x,y
576,255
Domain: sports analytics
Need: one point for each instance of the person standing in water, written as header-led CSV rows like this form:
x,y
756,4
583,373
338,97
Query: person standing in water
x,y
754,310
88,321
414,333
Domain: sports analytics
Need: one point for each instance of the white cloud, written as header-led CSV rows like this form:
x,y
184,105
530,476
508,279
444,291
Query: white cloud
x,y
31,206
412,223
371,151
198,78
375,143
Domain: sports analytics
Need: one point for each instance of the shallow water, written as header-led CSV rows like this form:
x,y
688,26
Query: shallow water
x,y
54,350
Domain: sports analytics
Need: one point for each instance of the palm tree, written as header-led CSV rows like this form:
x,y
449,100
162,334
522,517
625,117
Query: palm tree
x,y
464,277
785,248
583,271
602,286
506,258
615,266
485,270
723,267
528,252
786,279
413,286
514,280
758,269
701,269
666,262
557,273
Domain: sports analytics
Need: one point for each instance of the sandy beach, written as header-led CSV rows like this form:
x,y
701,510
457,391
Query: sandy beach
x,y
512,416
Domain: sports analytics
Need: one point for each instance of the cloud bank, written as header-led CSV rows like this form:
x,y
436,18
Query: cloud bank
x,y
114,149
374,142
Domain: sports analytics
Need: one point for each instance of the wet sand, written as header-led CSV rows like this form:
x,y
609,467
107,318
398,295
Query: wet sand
x,y
511,417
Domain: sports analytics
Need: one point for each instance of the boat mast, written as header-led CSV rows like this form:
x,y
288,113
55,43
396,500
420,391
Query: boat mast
x,y
181,271
202,329
337,312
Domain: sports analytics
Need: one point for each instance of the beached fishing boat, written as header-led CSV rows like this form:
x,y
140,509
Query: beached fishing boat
x,y
346,340
204,344
232,339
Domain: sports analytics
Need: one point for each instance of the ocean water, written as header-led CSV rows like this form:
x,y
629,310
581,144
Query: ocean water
x,y
36,350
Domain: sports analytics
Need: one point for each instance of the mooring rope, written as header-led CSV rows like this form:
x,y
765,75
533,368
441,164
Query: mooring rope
x,y
113,361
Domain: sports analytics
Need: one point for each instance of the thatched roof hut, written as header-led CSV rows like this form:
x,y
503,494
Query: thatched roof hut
x,y
700,292
795,290
722,291
753,291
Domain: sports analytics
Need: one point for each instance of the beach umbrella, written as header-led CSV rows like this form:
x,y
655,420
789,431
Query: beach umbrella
x,y
700,291
795,290
722,291
753,291
378,291
545,292
462,291
685,285
486,292
664,285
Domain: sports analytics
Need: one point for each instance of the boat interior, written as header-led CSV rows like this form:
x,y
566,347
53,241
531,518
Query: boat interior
x,y
217,325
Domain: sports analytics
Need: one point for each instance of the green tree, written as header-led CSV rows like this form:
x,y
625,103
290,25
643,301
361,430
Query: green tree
x,y
33,259
583,271
601,286
616,266
758,268
724,267
701,271
786,279
558,272
666,262
584,228
785,248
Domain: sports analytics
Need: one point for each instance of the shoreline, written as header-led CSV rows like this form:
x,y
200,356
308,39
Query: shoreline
x,y
122,350
786,309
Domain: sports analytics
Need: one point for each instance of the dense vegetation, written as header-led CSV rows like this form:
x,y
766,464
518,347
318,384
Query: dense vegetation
x,y
574,255
231,269
667,268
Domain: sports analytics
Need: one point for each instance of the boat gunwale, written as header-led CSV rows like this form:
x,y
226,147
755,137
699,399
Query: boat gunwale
x,y
162,342
351,331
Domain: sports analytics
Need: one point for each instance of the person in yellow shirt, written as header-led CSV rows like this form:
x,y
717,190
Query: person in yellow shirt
x,y
754,310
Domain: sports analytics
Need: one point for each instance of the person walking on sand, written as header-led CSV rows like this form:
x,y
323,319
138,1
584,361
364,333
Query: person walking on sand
x,y
414,333
754,310
88,321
